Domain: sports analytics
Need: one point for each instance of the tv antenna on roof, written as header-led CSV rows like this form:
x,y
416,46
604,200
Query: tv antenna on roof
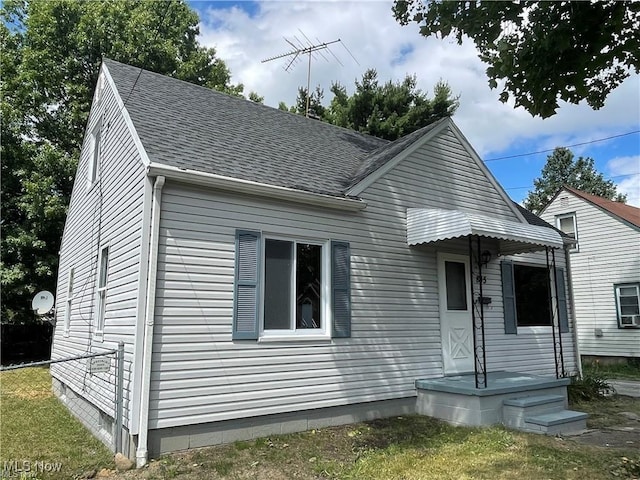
x,y
311,50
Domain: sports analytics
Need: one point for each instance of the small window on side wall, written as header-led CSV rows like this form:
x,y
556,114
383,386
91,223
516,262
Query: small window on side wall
x,y
568,225
101,294
67,313
628,305
93,173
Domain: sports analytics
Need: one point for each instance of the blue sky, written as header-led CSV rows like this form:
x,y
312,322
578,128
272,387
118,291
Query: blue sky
x,y
244,33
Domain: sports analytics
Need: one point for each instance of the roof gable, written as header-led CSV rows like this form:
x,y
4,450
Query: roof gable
x,y
626,213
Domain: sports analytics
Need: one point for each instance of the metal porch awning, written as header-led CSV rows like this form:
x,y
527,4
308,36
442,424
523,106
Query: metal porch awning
x,y
426,225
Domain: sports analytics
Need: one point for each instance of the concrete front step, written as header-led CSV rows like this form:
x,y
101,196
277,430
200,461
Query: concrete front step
x,y
542,414
554,423
515,410
534,401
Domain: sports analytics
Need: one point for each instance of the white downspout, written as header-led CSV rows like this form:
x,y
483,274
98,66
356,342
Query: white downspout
x,y
576,347
142,453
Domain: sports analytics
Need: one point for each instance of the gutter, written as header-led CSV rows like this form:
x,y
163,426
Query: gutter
x,y
143,282
142,453
576,347
249,187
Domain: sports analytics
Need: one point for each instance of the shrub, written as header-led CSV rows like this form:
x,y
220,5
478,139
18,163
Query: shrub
x,y
590,386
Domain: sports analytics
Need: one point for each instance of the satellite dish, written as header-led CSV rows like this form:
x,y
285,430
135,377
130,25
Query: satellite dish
x,y
42,303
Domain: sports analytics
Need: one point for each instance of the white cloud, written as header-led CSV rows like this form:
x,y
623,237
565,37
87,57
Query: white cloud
x,y
629,168
369,30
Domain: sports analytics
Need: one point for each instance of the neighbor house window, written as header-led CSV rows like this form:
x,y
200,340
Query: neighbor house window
x,y
94,156
531,285
67,313
293,285
103,267
568,225
628,305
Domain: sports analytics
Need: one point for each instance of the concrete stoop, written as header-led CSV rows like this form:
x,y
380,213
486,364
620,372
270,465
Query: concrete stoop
x,y
545,414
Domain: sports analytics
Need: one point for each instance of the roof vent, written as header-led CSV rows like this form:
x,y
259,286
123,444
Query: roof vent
x,y
564,202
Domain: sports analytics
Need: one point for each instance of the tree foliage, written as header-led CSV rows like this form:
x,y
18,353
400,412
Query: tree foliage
x,y
50,54
563,169
390,110
544,51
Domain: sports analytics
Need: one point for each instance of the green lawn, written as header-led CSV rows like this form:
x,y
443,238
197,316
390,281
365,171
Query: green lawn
x,y
620,371
36,427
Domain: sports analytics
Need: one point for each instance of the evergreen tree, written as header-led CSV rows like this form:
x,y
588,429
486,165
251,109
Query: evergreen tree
x,y
563,169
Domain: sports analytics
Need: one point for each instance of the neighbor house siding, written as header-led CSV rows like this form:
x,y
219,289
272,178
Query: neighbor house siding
x,y
108,213
200,375
608,254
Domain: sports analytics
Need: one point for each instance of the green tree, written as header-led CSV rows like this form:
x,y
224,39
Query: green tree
x,y
563,169
254,97
50,54
543,51
389,111
316,109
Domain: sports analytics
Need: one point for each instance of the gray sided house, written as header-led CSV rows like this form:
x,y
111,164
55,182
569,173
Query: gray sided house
x,y
605,267
268,273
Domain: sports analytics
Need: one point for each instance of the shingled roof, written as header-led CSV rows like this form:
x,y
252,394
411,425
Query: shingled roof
x,y
194,128
620,210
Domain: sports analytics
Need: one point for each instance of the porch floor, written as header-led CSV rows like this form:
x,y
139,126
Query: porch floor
x,y
498,383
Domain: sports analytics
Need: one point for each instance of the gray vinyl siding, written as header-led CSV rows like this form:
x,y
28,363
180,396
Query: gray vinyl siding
x,y
110,213
608,254
200,375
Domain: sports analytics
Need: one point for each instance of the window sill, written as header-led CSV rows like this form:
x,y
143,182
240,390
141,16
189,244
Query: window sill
x,y
534,330
294,338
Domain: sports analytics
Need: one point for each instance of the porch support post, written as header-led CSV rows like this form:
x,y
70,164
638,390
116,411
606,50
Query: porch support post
x,y
481,359
557,314
477,319
552,313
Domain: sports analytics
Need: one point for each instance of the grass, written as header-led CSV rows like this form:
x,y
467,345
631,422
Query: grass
x,y
608,411
36,427
408,448
619,371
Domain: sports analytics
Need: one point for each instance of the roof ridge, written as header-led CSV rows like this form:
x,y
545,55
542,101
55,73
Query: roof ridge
x,y
241,98
192,127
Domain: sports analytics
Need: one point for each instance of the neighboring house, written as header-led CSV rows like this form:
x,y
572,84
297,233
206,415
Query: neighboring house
x,y
605,266
270,273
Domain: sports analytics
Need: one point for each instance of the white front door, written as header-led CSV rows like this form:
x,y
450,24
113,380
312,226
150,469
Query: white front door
x,y
455,313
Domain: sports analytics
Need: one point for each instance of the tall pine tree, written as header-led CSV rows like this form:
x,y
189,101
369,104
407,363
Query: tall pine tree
x,y
563,169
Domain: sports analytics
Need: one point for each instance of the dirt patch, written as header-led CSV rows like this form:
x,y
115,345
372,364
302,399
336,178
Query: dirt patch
x,y
621,436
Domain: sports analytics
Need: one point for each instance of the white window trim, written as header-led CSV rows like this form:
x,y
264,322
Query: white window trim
x,y
310,334
93,171
573,216
617,288
67,312
101,294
